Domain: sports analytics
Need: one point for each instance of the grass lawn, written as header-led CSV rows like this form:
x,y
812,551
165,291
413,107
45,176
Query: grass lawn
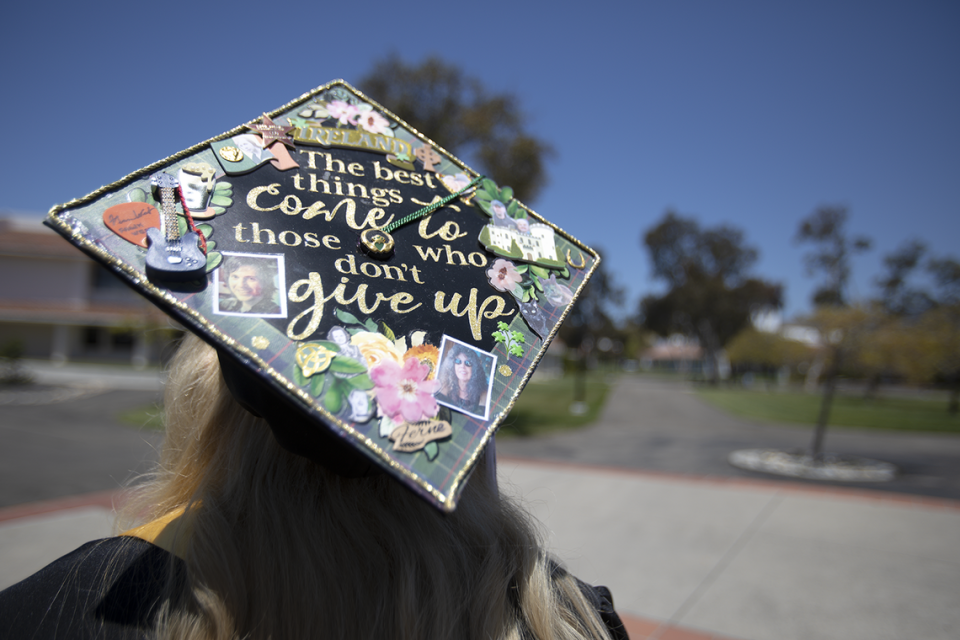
x,y
902,414
545,406
148,417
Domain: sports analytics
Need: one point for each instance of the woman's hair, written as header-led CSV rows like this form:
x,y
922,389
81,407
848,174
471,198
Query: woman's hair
x,y
450,385
277,546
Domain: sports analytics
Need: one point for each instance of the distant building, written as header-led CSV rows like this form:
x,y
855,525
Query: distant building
x,y
772,322
61,305
676,353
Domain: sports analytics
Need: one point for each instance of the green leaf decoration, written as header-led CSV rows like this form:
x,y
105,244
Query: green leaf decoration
x,y
137,195
361,381
514,210
221,201
522,268
214,258
341,364
431,450
211,245
565,273
346,316
512,340
536,283
206,230
370,325
222,186
218,211
507,193
540,271
526,295
333,399
316,385
387,331
182,225
298,376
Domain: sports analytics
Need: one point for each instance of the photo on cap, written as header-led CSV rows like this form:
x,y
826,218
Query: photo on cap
x,y
466,378
250,284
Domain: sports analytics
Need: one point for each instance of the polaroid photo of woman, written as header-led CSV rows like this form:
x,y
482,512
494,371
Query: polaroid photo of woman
x,y
250,284
466,378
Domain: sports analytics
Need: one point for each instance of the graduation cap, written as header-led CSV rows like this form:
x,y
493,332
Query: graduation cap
x,y
377,301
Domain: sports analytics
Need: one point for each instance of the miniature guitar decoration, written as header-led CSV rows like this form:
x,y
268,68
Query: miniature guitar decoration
x,y
170,257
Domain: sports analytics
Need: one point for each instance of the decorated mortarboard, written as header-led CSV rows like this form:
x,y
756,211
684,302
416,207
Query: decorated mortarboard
x,y
381,304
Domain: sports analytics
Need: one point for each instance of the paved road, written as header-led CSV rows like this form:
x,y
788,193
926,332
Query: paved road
x,y
659,425
67,441
73,444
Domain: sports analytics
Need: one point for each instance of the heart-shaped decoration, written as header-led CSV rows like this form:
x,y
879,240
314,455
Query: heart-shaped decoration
x,y
131,220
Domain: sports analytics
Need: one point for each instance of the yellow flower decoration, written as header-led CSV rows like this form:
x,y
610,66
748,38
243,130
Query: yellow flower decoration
x,y
425,354
376,348
259,342
505,371
314,358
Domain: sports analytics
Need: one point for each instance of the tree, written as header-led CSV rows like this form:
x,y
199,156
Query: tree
x,y
943,324
825,228
897,295
766,350
590,317
941,328
710,295
920,339
840,325
457,112
946,275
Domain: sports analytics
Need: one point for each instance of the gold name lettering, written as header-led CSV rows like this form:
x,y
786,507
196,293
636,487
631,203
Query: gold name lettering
x,y
353,139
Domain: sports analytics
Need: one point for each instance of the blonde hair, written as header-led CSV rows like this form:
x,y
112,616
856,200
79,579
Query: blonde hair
x,y
279,547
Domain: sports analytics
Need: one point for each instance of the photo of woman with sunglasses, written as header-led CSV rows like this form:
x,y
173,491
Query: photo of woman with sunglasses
x,y
465,376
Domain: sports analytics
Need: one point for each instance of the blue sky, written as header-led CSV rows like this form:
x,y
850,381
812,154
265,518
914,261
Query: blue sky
x,y
742,113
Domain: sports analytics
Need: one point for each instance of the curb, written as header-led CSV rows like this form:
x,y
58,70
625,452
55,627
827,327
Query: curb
x,y
866,495
105,499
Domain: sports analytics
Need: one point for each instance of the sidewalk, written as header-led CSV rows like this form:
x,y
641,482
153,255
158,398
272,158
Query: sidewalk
x,y
691,559
686,558
95,375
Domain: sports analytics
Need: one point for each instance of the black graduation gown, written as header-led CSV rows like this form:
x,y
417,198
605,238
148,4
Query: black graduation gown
x,y
111,589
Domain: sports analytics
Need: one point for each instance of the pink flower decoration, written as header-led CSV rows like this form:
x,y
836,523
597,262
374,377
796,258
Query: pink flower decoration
x,y
342,111
404,393
373,122
503,275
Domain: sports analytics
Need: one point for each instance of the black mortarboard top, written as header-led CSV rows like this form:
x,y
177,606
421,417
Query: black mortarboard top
x,y
371,296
